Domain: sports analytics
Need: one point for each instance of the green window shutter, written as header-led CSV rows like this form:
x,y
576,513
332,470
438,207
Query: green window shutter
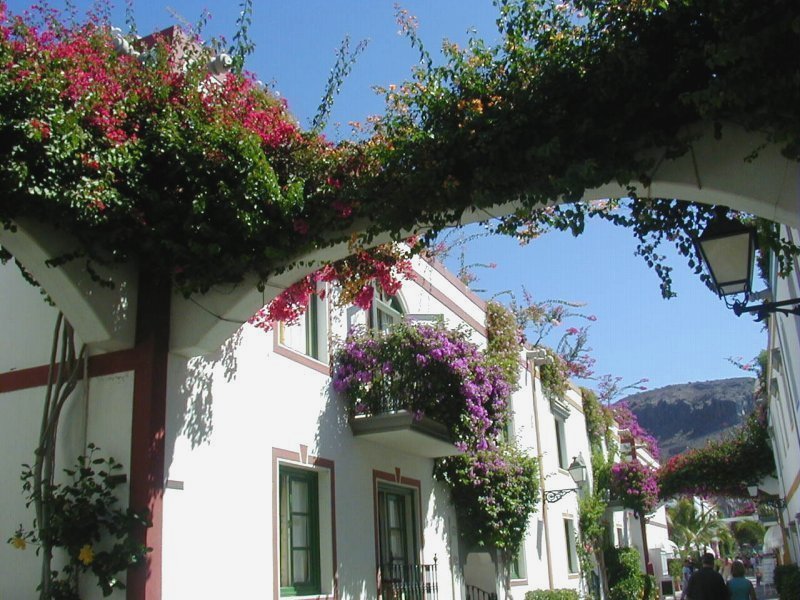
x,y
299,532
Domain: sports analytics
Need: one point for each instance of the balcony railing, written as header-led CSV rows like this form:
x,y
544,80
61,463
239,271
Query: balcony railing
x,y
393,423
476,593
409,582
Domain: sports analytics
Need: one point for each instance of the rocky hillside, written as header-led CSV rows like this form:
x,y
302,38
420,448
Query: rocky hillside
x,y
685,415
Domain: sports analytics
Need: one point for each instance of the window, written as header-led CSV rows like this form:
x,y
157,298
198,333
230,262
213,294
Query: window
x,y
396,532
397,541
561,444
299,532
386,311
309,335
517,566
572,553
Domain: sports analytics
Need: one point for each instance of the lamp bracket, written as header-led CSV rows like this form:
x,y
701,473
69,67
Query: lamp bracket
x,y
762,310
556,495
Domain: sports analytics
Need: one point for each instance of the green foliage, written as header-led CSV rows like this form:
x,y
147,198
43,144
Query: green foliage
x,y
503,344
748,532
787,581
601,472
490,131
151,164
561,594
86,522
554,374
675,568
691,529
435,372
591,522
722,467
599,419
625,579
494,492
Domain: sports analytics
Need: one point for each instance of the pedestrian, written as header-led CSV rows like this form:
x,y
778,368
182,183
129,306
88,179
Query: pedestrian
x,y
726,569
739,586
686,573
706,583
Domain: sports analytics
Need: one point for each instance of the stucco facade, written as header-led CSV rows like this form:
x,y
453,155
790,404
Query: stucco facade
x,y
783,396
240,420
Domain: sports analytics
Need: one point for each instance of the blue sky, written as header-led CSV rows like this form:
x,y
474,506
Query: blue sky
x,y
637,334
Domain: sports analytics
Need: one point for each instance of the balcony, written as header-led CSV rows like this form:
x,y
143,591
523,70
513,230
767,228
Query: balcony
x,y
400,429
409,582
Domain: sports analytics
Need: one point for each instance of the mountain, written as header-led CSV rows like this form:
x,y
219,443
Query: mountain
x,y
686,415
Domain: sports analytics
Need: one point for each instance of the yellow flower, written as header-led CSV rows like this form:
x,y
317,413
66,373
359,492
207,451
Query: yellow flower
x,y
86,555
19,542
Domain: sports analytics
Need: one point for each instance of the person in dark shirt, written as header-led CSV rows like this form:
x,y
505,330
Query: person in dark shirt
x,y
706,583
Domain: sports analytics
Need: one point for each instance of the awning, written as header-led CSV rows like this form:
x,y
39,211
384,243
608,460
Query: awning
x,y
669,547
773,538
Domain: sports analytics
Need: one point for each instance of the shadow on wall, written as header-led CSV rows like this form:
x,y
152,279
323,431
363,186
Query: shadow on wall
x,y
193,411
334,440
443,520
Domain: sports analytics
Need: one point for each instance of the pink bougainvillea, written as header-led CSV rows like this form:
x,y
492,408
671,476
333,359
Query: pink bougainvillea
x,y
636,486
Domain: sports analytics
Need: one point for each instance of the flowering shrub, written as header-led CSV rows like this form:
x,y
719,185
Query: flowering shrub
x,y
636,486
494,491
627,421
428,370
356,276
438,373
85,521
504,341
204,178
599,420
722,467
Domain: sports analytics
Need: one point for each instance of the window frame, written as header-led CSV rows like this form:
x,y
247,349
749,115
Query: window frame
x,y
573,566
391,306
286,474
561,443
517,570
314,323
411,537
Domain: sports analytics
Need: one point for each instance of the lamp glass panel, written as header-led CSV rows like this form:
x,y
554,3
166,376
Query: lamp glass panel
x,y
729,260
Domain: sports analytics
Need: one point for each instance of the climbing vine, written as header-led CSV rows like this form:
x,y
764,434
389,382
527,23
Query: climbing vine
x,y
140,151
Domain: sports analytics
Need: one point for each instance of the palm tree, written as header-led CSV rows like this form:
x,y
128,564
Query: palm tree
x,y
692,528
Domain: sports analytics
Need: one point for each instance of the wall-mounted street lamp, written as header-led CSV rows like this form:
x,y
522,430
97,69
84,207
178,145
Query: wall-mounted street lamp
x,y
765,499
578,472
727,247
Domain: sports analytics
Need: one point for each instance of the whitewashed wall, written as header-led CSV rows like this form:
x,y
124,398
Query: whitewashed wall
x,y
100,414
229,415
784,407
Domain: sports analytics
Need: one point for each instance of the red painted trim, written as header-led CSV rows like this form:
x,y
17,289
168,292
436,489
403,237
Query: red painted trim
x,y
396,479
148,428
448,302
99,365
296,356
459,285
301,458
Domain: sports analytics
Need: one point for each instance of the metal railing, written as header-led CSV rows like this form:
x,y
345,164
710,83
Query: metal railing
x,y
409,582
476,593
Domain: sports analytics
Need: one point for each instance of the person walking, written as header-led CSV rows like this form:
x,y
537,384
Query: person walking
x,y
739,586
706,583
727,567
686,573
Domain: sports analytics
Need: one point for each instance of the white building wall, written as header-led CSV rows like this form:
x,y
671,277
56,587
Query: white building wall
x,y
545,549
99,413
783,380
232,418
